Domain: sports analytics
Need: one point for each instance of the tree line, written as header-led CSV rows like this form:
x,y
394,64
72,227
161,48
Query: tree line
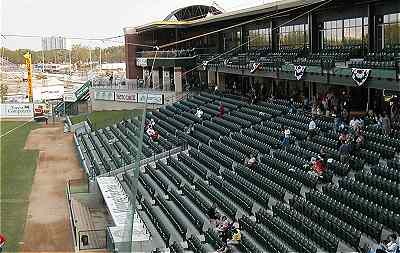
x,y
79,55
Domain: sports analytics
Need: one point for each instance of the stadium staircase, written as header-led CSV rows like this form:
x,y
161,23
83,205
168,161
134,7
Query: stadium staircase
x,y
85,226
280,206
81,94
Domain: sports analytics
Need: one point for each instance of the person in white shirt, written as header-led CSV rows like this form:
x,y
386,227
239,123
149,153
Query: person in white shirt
x,y
199,113
251,162
312,127
287,133
150,131
286,136
353,123
394,245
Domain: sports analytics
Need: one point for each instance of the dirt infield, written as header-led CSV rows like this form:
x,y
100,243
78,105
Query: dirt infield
x,y
47,226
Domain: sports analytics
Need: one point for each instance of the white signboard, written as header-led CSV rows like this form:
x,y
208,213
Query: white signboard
x,y
16,110
104,95
141,62
48,93
17,99
126,97
151,99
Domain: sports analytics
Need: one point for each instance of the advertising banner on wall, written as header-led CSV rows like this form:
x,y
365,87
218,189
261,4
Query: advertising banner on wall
x,y
141,62
126,97
151,99
104,95
48,92
79,93
69,97
16,110
42,110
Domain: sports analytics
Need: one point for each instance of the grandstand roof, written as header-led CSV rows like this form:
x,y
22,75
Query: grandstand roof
x,y
256,10
193,12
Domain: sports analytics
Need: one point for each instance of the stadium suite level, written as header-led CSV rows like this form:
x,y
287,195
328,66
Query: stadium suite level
x,y
329,40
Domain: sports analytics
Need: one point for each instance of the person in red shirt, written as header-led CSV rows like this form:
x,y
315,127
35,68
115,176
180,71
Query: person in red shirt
x,y
2,242
155,136
319,167
221,110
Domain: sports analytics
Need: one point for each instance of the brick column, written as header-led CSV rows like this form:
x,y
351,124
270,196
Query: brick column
x,y
166,79
178,79
156,78
130,52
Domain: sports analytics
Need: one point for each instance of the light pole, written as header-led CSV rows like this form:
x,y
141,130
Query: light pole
x,y
90,59
42,60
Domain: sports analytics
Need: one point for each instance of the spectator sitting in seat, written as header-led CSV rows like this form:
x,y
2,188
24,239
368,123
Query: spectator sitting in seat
x,y
365,249
190,130
394,244
223,224
382,247
212,213
345,115
308,166
152,134
370,118
199,113
150,131
231,236
386,125
286,136
343,136
221,110
252,162
338,122
312,128
353,123
323,155
225,234
359,123
155,136
235,238
359,140
313,110
292,108
379,121
319,167
152,123
344,151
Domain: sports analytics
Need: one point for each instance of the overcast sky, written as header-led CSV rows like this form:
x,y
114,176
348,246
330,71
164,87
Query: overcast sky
x,y
88,18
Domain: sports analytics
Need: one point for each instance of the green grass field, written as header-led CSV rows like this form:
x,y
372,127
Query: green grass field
x,y
17,170
106,118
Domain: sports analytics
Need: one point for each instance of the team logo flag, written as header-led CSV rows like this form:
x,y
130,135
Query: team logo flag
x,y
205,63
360,75
299,71
255,67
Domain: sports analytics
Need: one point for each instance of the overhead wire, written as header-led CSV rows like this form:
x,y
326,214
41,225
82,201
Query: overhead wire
x,y
110,39
202,35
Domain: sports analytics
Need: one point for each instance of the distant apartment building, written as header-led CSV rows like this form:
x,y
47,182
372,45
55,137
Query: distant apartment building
x,y
54,42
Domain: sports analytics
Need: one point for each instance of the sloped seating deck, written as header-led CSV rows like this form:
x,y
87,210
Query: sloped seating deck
x,y
212,171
